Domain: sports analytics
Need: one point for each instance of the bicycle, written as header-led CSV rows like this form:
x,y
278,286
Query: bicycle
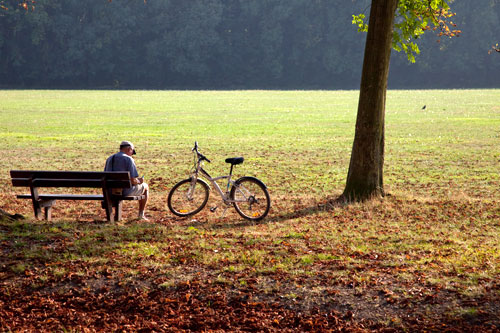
x,y
248,195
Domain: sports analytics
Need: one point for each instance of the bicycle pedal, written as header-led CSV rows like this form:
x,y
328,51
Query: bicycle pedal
x,y
213,209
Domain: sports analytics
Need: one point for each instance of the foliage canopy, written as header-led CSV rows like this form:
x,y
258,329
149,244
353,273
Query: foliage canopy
x,y
413,18
234,44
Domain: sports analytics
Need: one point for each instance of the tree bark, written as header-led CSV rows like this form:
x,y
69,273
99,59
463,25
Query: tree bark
x,y
365,175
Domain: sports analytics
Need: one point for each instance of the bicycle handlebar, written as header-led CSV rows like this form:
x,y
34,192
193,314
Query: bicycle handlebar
x,y
201,157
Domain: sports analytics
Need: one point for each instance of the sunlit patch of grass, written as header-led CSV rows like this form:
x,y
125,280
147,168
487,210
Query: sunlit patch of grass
x,y
167,284
139,250
19,268
59,272
253,258
306,260
468,313
234,268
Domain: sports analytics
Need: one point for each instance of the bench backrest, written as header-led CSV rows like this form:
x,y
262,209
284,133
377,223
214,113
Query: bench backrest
x,y
108,179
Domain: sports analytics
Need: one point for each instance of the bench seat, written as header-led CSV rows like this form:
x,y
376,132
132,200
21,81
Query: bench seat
x,y
98,197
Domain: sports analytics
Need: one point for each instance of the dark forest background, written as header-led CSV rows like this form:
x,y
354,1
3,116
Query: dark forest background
x,y
229,44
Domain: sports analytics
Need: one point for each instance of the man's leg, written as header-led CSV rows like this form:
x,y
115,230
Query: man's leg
x,y
144,202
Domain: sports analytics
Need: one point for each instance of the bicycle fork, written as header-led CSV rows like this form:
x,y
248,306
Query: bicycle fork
x,y
190,192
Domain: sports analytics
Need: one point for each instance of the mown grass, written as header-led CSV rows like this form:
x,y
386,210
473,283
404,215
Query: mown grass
x,y
430,250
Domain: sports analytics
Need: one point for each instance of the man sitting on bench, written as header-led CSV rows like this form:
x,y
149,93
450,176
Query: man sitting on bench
x,y
123,161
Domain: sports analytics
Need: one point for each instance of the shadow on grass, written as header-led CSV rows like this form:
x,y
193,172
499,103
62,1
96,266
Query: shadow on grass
x,y
54,241
310,210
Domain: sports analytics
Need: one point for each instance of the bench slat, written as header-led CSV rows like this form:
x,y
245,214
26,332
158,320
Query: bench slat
x,y
114,175
114,179
77,197
90,183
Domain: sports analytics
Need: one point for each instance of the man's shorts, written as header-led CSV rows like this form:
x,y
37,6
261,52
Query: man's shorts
x,y
135,190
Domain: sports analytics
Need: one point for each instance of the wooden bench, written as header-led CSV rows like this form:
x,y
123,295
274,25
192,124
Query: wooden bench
x,y
109,182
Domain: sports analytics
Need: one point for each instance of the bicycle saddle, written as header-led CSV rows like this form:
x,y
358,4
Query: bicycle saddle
x,y
235,160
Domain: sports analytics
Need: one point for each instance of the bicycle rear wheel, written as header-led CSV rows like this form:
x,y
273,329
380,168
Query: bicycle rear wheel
x,y
185,200
250,198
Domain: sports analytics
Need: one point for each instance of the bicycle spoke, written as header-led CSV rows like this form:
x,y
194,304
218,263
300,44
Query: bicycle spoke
x,y
250,199
187,198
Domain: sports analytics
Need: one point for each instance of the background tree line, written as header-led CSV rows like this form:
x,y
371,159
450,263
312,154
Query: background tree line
x,y
228,44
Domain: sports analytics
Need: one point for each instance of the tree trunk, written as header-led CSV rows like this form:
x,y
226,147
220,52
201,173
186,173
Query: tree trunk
x,y
365,176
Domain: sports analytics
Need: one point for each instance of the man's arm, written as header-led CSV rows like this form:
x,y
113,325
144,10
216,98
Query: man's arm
x,y
137,180
134,175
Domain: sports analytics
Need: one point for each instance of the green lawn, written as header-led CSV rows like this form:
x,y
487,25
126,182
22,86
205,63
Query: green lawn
x,y
297,139
426,257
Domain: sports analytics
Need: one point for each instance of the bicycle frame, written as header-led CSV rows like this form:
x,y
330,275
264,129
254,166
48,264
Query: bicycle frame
x,y
199,169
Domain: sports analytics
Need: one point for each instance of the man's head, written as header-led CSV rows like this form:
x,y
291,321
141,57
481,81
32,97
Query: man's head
x,y
127,147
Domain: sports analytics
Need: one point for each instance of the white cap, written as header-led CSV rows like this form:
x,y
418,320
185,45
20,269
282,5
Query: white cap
x,y
126,143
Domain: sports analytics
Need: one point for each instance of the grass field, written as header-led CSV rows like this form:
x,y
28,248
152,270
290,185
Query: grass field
x,y
427,257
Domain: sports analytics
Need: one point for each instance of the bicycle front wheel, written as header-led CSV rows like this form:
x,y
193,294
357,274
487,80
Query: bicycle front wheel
x,y
250,198
187,198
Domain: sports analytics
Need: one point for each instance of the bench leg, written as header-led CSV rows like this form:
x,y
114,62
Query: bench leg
x,y
47,205
108,207
36,205
48,213
118,210
107,203
38,210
